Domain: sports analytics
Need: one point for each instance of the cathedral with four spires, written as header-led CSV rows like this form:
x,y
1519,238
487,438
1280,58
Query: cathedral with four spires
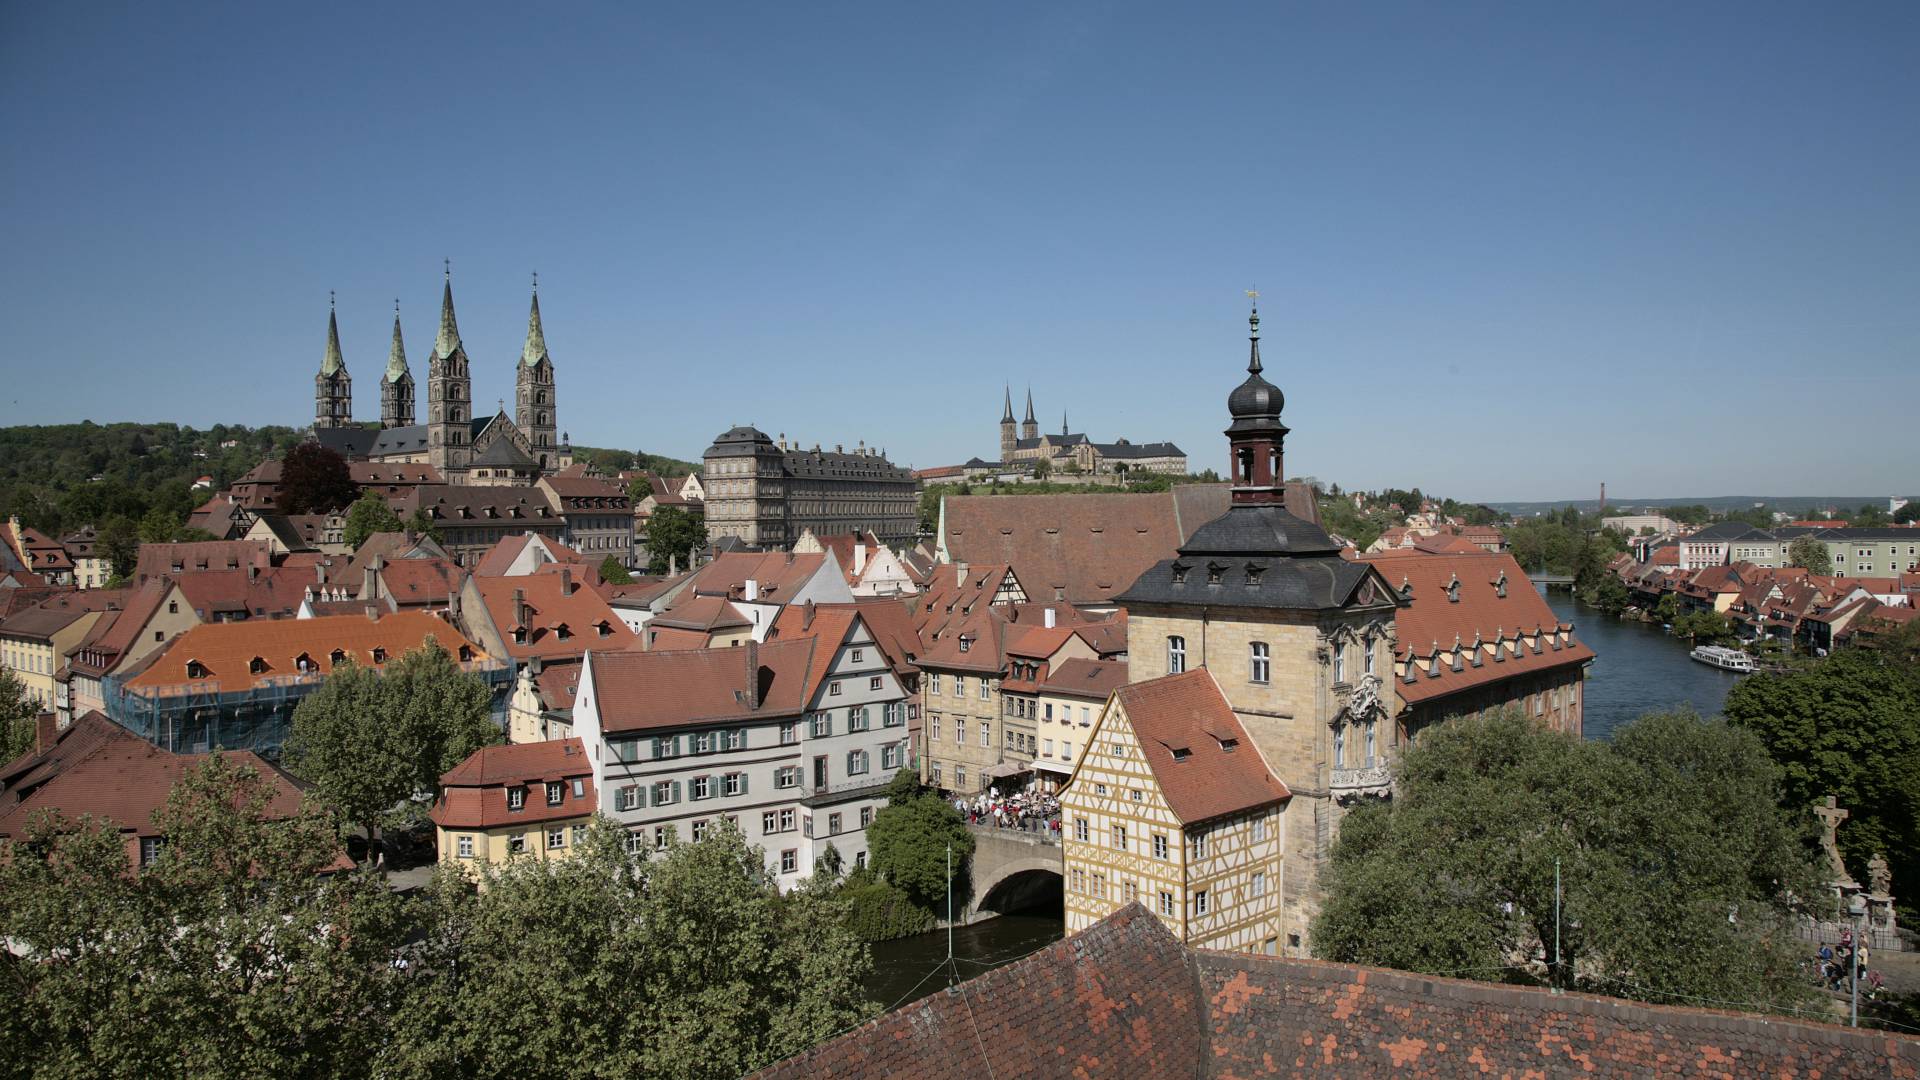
x,y
465,447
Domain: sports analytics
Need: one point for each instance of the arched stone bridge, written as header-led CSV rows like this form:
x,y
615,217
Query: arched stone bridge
x,y
1013,870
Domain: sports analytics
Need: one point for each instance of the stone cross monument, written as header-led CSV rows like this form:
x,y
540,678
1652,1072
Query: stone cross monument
x,y
1831,815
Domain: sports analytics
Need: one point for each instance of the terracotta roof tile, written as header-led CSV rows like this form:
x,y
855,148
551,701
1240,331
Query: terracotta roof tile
x,y
1200,755
1082,678
227,651
642,691
558,622
473,793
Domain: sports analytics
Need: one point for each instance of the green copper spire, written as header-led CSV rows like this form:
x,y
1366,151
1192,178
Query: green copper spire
x,y
397,353
333,363
449,339
536,348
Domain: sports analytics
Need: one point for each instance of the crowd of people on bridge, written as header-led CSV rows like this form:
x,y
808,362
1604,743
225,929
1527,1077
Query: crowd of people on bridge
x,y
1032,811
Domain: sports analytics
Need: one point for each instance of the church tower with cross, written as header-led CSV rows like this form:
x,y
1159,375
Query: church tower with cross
x,y
332,387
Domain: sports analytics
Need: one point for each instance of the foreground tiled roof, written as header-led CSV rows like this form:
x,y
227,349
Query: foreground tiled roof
x,y
641,691
1123,999
563,617
1115,1000
1200,755
1090,679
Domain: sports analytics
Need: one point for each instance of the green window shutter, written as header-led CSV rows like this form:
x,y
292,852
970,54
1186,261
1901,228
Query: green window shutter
x,y
656,747
743,783
676,791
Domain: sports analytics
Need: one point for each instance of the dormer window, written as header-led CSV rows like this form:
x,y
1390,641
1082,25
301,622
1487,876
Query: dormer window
x,y
379,655
1406,589
466,654
519,635
563,631
1500,585
257,666
1214,572
1453,590
1254,573
303,663
1180,573
337,657
1181,753
603,628
196,670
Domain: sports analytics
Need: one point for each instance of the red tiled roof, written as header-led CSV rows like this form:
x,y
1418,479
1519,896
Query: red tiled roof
x,y
508,548
778,575
227,650
550,607
1430,620
1443,544
200,555
703,613
1082,678
1200,755
642,691
421,581
381,474
1088,549
473,793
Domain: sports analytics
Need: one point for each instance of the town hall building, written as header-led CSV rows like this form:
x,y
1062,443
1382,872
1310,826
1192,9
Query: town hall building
x,y
465,447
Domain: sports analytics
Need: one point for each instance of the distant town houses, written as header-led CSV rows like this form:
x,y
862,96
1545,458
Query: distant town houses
x,y
1884,551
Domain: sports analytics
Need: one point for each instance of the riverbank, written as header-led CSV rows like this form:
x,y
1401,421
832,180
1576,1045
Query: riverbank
x,y
1638,668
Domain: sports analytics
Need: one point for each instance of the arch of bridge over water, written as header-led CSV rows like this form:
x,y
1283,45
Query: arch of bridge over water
x,y
1014,870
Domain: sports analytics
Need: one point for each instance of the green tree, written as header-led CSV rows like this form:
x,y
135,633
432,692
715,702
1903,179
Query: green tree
x,y
613,572
1610,595
1907,514
158,526
1847,726
910,839
673,533
1042,468
1678,867
1810,553
231,956
1667,609
18,716
420,523
315,480
375,744
369,514
1704,628
119,544
690,964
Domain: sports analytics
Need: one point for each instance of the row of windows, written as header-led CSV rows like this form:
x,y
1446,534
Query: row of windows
x,y
1260,659
555,792
556,838
960,684
1029,709
1197,841
1200,903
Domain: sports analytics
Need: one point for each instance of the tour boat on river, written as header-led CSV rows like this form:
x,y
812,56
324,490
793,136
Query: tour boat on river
x,y
1724,658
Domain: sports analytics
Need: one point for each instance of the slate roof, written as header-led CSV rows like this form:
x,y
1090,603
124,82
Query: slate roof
x,y
353,442
409,439
1123,998
1201,757
1256,557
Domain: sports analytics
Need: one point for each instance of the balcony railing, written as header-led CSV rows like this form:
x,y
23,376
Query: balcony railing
x,y
1350,785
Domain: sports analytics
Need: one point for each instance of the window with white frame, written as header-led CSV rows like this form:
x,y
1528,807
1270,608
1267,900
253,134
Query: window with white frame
x,y
1200,902
789,733
1176,654
635,843
733,783
1259,829
857,718
789,861
1259,663
933,683
933,727
1166,903
630,797
1340,746
1259,886
985,688
874,683
822,724
857,762
893,714
1080,829
1340,662
556,838
555,792
1119,837
699,830
465,847
986,733
1159,846
516,797
702,787
662,836
959,686
1198,843
890,756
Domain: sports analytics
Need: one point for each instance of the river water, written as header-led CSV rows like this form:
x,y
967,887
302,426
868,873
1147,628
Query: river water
x,y
1637,669
901,967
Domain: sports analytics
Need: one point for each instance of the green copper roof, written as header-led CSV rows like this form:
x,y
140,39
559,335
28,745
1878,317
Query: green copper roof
x,y
397,354
536,349
333,363
449,339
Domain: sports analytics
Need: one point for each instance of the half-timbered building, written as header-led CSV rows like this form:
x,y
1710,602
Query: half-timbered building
x,y
1173,805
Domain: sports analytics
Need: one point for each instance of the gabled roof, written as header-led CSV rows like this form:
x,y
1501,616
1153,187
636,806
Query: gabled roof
x,y
227,651
499,558
1201,757
179,559
412,582
645,691
1082,678
1428,620
559,622
473,793
778,575
1087,549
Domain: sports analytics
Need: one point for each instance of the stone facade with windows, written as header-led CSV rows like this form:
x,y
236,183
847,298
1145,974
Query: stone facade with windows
x,y
767,495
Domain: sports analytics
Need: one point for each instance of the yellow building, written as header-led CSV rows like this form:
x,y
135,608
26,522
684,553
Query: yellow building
x,y
1172,805
1069,699
531,800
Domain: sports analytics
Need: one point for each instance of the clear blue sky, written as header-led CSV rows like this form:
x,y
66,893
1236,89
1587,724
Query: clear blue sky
x,y
1505,252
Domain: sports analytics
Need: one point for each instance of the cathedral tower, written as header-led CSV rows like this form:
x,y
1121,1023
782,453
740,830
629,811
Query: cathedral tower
x,y
1008,440
534,406
396,386
449,396
332,387
1030,428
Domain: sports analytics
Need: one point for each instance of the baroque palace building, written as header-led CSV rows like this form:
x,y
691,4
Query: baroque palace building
x,y
765,494
1297,644
463,446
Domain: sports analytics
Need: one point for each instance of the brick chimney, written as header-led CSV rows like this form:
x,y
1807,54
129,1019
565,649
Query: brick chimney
x,y
566,581
46,727
520,617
